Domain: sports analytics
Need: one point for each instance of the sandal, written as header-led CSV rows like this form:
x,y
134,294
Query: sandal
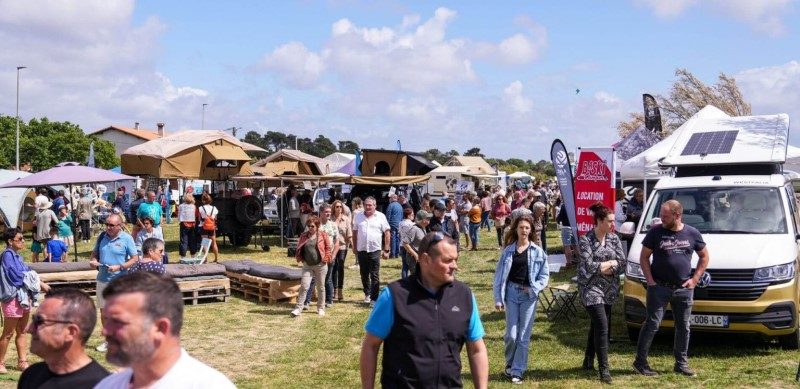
x,y
22,365
3,369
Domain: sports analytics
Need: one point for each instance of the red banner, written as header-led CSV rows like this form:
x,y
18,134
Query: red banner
x,y
594,181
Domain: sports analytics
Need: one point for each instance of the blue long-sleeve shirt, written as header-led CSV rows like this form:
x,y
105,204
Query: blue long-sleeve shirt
x,y
394,213
14,267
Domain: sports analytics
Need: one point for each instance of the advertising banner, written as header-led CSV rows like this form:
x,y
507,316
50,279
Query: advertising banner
x,y
594,181
560,158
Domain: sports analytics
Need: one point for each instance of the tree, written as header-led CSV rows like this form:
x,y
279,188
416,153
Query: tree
x,y
322,147
435,155
474,152
276,140
347,146
44,144
688,96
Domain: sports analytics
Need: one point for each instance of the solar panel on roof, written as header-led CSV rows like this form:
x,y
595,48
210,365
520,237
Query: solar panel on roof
x,y
714,142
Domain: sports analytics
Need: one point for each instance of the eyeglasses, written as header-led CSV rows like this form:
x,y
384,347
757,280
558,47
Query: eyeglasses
x,y
19,239
38,321
108,225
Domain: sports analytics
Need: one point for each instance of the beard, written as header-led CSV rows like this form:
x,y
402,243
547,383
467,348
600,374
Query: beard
x,y
124,354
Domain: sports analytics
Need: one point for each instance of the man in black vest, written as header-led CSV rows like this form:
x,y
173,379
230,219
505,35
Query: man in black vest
x,y
423,322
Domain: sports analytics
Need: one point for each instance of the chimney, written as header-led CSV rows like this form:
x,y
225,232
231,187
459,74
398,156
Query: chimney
x,y
160,129
136,126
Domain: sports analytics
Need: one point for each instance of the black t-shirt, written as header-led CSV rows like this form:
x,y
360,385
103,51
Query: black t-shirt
x,y
519,273
39,376
672,252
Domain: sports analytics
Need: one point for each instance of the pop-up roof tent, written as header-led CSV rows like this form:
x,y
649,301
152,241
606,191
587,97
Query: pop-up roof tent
x,y
12,200
206,155
287,161
375,162
645,164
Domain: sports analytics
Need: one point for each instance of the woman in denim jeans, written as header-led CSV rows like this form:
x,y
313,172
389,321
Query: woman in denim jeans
x,y
521,274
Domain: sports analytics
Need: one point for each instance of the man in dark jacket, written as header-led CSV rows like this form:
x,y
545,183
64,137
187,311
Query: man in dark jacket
x,y
423,322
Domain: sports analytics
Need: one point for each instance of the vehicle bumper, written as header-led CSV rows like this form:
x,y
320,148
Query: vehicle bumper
x,y
772,314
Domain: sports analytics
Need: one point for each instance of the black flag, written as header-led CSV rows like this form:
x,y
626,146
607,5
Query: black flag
x,y
560,158
652,116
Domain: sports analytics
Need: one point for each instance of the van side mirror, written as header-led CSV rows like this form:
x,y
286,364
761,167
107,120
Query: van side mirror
x,y
797,237
627,229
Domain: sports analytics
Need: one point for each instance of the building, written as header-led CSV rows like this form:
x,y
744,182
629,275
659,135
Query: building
x,y
125,137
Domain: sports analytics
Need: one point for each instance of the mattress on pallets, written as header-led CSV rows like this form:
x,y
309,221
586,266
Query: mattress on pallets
x,y
264,289
69,276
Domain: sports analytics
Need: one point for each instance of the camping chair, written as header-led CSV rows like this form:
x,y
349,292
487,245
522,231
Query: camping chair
x,y
560,302
200,257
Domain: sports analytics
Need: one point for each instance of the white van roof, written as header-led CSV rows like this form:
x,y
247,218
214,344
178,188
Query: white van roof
x,y
732,140
772,180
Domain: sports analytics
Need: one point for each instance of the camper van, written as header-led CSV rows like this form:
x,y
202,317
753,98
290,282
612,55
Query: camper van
x,y
728,175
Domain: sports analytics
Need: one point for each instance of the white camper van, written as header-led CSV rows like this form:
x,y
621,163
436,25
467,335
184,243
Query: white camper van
x,y
728,175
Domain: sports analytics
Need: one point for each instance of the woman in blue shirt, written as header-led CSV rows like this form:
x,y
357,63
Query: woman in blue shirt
x,y
521,274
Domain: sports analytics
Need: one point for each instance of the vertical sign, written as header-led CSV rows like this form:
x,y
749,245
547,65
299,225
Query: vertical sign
x,y
594,181
560,158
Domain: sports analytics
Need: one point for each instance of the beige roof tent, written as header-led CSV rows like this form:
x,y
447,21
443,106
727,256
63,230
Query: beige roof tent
x,y
478,163
287,161
206,155
393,163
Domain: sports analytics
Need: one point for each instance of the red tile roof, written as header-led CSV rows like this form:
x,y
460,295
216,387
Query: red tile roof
x,y
142,134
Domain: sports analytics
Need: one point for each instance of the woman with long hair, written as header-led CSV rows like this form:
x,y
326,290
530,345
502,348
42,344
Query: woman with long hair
x,y
345,238
500,212
601,263
15,313
314,252
208,228
521,274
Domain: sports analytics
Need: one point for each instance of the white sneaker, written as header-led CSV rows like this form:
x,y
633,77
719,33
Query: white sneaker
x,y
296,312
367,300
103,347
516,380
321,312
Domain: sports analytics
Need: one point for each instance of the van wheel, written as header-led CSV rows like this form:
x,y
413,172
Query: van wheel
x,y
633,334
791,341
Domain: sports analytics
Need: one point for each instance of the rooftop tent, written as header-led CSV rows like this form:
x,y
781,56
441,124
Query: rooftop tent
x,y
287,161
349,168
12,200
338,160
645,164
208,155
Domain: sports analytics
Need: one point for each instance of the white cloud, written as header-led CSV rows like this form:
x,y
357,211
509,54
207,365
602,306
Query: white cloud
x,y
773,89
512,95
301,67
764,16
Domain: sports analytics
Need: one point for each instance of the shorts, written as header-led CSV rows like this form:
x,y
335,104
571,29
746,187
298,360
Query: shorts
x,y
463,226
13,310
101,302
37,246
567,237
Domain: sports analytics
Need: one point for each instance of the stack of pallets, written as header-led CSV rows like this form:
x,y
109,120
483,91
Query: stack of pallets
x,y
264,289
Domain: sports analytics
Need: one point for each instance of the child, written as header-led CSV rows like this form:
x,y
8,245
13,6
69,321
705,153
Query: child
x,y
152,251
55,247
65,226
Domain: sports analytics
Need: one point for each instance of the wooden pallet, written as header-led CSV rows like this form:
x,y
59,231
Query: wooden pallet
x,y
264,289
195,291
90,287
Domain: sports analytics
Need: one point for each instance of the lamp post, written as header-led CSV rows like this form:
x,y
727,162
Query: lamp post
x,y
17,116
203,122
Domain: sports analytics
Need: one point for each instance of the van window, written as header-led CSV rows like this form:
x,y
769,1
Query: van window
x,y
731,210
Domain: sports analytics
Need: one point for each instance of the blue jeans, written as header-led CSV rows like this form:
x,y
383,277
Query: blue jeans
x,y
394,249
473,234
520,314
404,269
681,301
485,220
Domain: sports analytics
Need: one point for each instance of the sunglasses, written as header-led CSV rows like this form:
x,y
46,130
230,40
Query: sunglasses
x,y
109,225
431,240
20,239
38,321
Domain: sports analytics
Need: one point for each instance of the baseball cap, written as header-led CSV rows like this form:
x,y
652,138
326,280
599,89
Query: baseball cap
x,y
423,214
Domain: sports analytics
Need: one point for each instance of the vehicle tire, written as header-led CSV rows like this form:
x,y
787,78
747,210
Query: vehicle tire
x,y
241,238
633,334
248,210
791,341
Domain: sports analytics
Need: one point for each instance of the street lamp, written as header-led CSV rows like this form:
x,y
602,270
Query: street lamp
x,y
18,69
203,122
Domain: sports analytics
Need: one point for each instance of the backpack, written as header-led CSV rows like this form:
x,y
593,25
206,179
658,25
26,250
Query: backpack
x,y
210,222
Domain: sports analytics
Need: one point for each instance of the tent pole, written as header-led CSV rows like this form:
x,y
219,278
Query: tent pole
x,y
72,225
280,210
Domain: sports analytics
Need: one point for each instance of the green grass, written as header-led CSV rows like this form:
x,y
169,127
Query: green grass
x,y
259,345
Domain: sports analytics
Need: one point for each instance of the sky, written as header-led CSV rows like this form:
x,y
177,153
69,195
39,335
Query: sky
x,y
501,76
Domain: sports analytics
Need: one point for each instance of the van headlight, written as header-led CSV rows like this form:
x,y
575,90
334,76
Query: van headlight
x,y
774,273
634,270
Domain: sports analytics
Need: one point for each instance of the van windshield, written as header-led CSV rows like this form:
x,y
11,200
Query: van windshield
x,y
732,210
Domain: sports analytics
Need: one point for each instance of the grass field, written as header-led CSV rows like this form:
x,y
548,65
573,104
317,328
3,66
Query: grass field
x,y
260,346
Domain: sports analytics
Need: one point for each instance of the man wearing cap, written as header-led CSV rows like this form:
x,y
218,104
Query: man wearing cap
x,y
670,280
414,237
423,322
371,241
45,220
441,221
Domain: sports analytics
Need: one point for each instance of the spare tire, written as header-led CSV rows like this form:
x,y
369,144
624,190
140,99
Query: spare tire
x,y
248,210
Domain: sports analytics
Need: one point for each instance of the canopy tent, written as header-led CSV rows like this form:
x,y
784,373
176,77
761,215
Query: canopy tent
x,y
290,161
349,168
12,200
517,175
67,175
645,164
207,155
337,160
352,180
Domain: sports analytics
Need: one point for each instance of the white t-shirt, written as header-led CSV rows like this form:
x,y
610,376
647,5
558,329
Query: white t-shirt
x,y
206,210
369,231
188,373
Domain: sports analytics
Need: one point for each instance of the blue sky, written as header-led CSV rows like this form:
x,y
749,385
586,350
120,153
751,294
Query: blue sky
x,y
451,75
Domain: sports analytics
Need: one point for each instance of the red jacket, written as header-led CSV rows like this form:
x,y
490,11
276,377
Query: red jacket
x,y
323,245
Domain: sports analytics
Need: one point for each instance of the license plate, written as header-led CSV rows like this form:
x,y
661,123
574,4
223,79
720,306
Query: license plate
x,y
709,321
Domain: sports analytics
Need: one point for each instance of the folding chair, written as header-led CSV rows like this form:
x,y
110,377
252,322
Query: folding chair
x,y
200,257
561,303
